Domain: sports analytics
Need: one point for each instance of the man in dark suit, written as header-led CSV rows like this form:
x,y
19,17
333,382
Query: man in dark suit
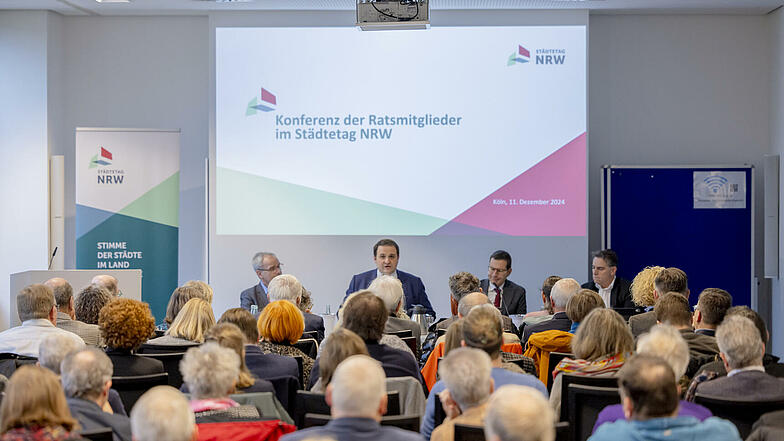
x,y
615,291
267,267
506,295
287,287
668,280
562,291
386,254
741,349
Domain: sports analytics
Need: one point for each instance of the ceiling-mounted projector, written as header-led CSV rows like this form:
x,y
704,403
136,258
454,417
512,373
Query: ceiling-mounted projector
x,y
401,14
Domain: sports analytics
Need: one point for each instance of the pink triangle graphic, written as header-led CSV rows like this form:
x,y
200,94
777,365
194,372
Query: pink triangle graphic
x,y
559,177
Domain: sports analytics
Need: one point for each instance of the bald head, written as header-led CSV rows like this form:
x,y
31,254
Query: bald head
x,y
106,281
162,413
469,301
63,293
358,389
86,374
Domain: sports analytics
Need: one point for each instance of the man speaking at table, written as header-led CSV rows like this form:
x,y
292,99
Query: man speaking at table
x,y
386,254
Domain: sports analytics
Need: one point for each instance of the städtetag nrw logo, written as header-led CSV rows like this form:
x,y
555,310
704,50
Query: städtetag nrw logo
x,y
521,56
106,175
541,56
267,103
101,158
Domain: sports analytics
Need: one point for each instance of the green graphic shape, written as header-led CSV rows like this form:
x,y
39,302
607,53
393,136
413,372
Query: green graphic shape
x,y
251,110
511,60
251,204
160,204
92,161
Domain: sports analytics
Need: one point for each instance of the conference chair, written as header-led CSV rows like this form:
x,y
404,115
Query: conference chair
x,y
555,358
267,404
301,371
412,397
469,433
164,349
309,346
741,413
585,403
628,312
309,334
562,431
584,380
9,362
102,434
412,344
405,422
132,388
286,391
439,415
402,334
316,403
441,332
171,365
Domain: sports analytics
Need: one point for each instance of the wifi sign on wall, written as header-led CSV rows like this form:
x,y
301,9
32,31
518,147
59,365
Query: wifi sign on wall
x,y
719,189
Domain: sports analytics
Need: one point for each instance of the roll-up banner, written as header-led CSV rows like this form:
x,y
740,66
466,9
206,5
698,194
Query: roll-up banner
x,y
127,206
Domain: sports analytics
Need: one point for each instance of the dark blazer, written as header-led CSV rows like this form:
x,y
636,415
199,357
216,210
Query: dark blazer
x,y
314,322
413,288
560,322
621,294
266,366
354,429
642,323
747,385
91,417
253,296
130,365
512,295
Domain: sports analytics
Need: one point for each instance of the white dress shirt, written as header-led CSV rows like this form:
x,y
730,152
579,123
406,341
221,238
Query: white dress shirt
x,y
606,293
25,339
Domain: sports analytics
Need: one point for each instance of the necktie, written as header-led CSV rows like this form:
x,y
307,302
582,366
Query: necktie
x,y
497,301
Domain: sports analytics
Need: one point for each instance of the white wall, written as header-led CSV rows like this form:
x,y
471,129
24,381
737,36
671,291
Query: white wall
x,y
777,147
23,148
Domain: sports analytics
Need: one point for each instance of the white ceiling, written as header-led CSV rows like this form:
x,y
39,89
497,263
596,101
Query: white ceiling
x,y
202,7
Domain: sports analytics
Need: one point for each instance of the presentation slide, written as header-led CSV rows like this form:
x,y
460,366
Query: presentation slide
x,y
453,131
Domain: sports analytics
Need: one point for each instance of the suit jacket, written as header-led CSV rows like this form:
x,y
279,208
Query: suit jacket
x,y
266,366
746,385
91,334
354,429
413,288
313,322
398,324
254,295
560,322
621,294
642,323
512,295
91,417
130,365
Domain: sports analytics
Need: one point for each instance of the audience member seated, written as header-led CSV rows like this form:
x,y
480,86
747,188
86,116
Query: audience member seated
x,y
38,313
710,310
163,413
664,280
393,341
338,346
89,302
230,336
769,427
264,366
466,376
178,299
390,290
210,372
280,326
673,308
469,301
504,294
662,341
205,290
189,326
66,314
306,301
287,287
453,338
357,396
34,408
649,396
460,285
742,350
613,290
529,419
366,315
87,376
546,313
562,291
125,324
481,330
578,307
109,283
601,346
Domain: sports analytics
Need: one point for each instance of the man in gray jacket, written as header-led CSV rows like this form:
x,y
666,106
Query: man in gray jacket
x,y
66,314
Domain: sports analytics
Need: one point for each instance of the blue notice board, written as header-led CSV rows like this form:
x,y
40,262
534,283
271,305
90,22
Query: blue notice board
x,y
668,216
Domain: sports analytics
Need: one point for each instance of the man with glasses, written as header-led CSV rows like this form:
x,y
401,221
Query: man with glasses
x,y
506,295
267,267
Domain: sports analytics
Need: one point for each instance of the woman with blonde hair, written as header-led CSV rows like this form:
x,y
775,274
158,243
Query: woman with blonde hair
x,y
338,346
229,336
35,409
205,291
642,286
190,325
602,344
280,326
178,299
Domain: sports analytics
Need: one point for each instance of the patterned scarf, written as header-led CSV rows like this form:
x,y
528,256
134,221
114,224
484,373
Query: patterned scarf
x,y
606,365
212,404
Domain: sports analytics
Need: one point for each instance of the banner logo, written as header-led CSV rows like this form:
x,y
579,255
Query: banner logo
x,y
552,56
521,56
102,158
268,103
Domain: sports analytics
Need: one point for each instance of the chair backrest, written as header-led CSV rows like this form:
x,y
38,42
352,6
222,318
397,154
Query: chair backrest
x,y
555,358
309,346
585,380
628,312
441,332
286,391
171,365
412,344
309,334
159,333
316,403
102,434
585,403
563,431
267,404
405,422
741,413
440,414
401,334
9,362
469,433
412,398
132,388
301,371
164,349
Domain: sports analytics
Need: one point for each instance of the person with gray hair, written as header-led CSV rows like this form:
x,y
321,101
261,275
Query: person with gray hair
x,y
210,372
86,375
466,374
666,342
390,290
89,302
562,291
530,419
357,396
66,313
109,283
741,349
266,266
36,307
287,287
163,413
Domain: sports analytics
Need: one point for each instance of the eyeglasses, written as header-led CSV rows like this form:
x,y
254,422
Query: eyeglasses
x,y
273,268
496,270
